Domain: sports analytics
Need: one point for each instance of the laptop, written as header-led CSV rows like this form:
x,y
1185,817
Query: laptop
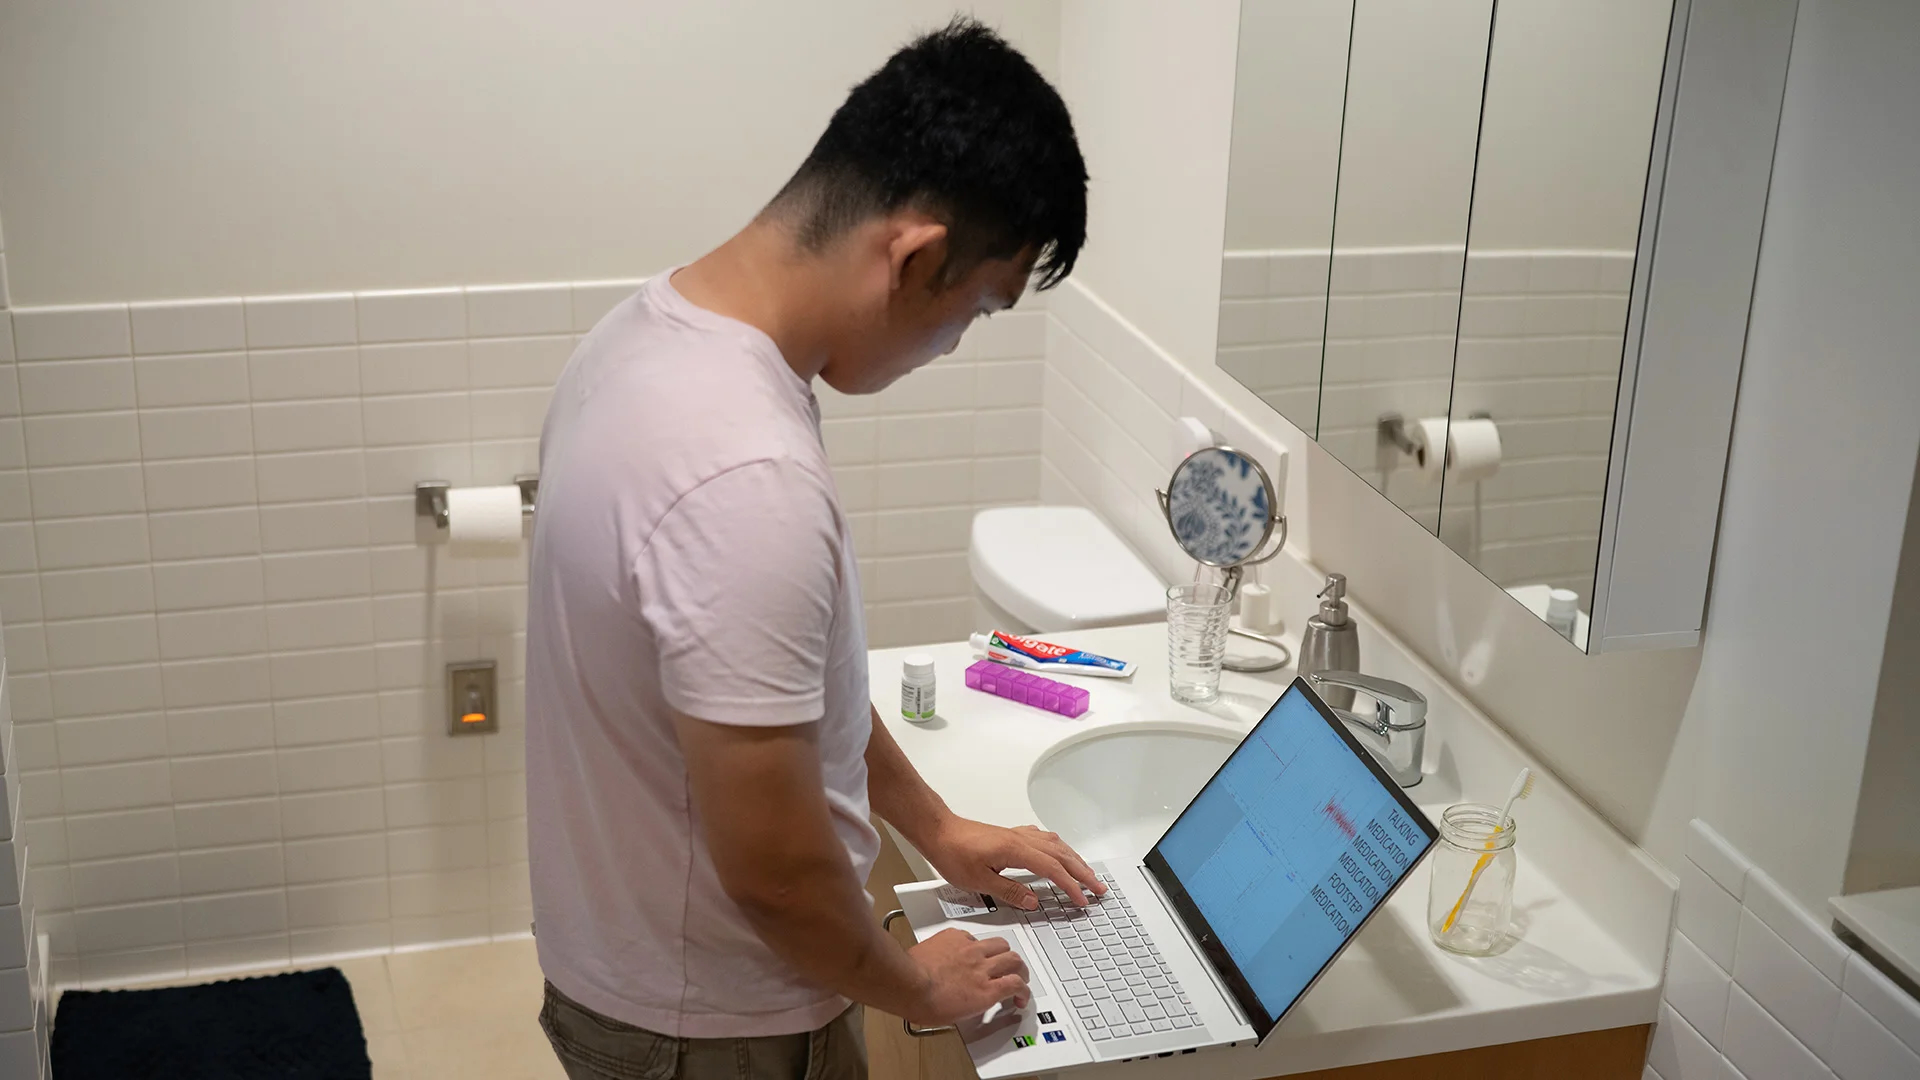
x,y
1228,921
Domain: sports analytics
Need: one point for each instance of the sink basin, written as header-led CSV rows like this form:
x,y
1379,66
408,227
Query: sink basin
x,y
1111,794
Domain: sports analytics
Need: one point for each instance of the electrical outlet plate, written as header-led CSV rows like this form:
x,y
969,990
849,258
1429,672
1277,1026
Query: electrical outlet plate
x,y
470,692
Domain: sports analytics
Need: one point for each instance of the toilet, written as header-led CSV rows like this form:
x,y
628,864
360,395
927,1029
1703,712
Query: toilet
x,y
1040,569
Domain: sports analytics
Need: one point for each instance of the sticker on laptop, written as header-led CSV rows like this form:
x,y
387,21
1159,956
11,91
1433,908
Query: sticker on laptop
x,y
1054,1036
1022,1041
1046,1018
958,903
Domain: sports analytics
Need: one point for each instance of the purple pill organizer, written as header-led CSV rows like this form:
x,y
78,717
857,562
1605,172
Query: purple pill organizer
x,y
1027,688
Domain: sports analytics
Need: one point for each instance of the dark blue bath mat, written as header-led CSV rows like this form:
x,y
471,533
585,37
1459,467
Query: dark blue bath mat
x,y
301,1026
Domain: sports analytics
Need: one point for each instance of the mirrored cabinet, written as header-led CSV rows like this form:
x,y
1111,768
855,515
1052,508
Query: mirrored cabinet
x,y
1467,254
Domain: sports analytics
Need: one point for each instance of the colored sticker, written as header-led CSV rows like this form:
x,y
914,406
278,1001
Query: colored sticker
x,y
1023,1041
1054,1036
1046,1018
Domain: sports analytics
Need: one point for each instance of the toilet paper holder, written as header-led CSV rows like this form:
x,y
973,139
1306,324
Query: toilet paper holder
x,y
430,497
1391,434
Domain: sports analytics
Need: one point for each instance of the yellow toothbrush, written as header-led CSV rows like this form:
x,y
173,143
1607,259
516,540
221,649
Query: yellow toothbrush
x,y
1522,787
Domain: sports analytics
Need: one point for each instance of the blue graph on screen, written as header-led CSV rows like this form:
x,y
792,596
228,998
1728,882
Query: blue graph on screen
x,y
1289,848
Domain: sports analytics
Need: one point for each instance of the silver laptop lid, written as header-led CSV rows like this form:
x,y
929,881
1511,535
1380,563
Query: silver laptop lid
x,y
1286,853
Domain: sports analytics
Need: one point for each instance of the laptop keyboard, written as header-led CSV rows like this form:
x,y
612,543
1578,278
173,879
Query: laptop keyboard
x,y
1117,981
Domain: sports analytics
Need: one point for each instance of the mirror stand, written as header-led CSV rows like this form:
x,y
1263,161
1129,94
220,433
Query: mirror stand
x,y
1221,507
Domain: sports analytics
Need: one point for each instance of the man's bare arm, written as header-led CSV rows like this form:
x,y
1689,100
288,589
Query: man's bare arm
x,y
763,812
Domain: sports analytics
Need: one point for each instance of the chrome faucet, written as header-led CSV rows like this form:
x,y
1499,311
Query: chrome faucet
x,y
1398,724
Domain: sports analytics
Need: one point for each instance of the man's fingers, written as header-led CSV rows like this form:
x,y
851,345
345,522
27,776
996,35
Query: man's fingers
x,y
1078,867
1049,867
1007,963
1016,895
994,946
1011,988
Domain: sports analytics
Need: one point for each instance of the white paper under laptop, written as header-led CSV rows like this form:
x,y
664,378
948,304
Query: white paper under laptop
x,y
1259,884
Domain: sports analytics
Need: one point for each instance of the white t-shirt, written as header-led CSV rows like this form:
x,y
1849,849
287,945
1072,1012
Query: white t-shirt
x,y
689,554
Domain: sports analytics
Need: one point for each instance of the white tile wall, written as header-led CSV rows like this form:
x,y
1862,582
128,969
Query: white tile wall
x,y
226,641
1539,345
1789,1000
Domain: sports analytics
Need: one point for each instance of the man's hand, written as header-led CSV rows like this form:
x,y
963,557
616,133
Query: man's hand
x,y
971,854
965,976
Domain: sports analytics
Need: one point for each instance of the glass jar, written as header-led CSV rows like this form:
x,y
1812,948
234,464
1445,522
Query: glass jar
x,y
1196,641
1470,900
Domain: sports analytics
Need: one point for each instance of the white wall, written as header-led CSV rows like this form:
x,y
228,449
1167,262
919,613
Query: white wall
x,y
1824,445
228,147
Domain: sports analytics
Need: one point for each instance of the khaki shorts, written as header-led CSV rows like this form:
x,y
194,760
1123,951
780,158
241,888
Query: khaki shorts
x,y
594,1047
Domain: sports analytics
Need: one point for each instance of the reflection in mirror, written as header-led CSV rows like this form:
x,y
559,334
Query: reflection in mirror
x,y
1572,92
1406,189
1289,89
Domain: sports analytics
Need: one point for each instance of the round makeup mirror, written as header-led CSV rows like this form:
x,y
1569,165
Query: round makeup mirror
x,y
1222,508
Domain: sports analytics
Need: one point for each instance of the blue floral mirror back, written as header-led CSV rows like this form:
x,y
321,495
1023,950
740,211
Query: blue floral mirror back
x,y
1220,505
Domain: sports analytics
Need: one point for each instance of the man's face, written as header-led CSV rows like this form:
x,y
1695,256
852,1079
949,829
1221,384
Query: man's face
x,y
920,321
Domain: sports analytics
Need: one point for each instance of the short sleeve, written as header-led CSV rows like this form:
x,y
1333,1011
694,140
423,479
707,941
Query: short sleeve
x,y
739,584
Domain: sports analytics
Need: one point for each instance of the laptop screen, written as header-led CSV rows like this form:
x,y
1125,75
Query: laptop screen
x,y
1287,851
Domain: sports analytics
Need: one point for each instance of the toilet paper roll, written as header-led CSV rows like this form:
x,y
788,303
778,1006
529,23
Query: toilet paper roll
x,y
1429,440
1473,450
484,520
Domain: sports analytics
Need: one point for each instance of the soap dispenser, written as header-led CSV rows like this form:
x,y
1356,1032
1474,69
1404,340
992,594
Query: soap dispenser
x,y
1331,642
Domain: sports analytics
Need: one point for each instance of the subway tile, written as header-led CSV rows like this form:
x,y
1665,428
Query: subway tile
x,y
188,326
1678,1051
1783,916
191,684
204,534
224,777
252,914
508,414
1785,984
439,802
1008,383
129,927
1762,1049
126,881
292,374
125,786
941,387
227,824
337,903
940,483
71,386
279,322
1006,480
507,310
86,490
116,835
309,477
394,470
851,440
231,869
105,691
306,425
1698,989
504,362
31,697
320,624
25,649
324,672
89,643
1007,432
921,532
197,485
316,575
426,367
431,757
440,893
411,314
76,594
1894,1008
71,543
9,384
449,847
506,458
1006,336
593,299
112,739
237,954
210,583
124,965
331,813
13,441
1863,1049
337,858
17,550
209,431
314,526
82,439
416,418
318,721
430,930
925,438
219,729
71,332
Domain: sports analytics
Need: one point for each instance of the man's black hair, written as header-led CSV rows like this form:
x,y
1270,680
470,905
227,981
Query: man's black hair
x,y
960,125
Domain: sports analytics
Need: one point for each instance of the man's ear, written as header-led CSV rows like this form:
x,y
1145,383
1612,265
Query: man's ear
x,y
916,251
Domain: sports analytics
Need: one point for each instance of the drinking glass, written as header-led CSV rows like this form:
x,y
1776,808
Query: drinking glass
x,y
1196,641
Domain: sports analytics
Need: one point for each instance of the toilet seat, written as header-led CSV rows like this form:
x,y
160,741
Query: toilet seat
x,y
1061,568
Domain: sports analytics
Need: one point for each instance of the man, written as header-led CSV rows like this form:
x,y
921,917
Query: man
x,y
702,757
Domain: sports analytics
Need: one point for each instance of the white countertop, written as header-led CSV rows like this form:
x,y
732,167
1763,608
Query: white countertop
x,y
1594,908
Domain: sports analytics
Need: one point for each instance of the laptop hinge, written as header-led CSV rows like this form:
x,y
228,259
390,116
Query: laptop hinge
x,y
1186,938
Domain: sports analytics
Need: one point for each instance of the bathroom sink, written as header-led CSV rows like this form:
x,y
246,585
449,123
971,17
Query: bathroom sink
x,y
1111,794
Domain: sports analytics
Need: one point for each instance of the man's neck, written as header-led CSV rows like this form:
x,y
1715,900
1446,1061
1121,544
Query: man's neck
x,y
758,278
